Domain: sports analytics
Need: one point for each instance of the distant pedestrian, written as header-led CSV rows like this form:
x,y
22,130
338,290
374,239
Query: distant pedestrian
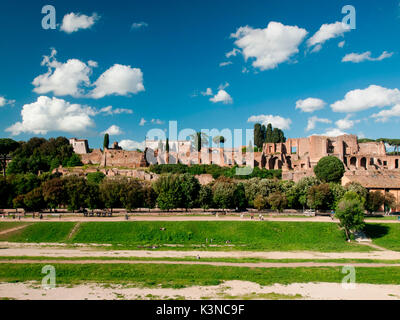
x,y
198,257
41,216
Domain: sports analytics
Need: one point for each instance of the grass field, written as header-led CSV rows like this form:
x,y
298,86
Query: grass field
x,y
10,225
251,235
178,276
186,235
39,232
385,235
272,236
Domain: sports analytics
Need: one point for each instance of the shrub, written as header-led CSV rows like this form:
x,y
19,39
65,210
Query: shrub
x,y
375,200
329,169
205,197
95,177
319,196
277,201
260,202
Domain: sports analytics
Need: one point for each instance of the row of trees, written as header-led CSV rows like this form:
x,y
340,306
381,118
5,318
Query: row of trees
x,y
37,155
267,134
171,191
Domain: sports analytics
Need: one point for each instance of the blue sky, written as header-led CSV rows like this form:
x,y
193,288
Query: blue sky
x,y
161,69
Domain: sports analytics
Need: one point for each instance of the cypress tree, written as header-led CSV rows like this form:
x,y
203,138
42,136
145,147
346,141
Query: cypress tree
x,y
258,139
281,136
106,142
268,133
264,133
275,135
167,145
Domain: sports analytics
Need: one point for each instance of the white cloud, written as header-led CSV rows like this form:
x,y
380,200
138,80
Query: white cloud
x,y
224,64
62,78
113,131
52,114
346,123
310,104
270,46
138,25
131,145
73,22
142,122
362,99
119,80
93,64
313,121
222,96
208,92
4,102
326,32
157,121
110,111
275,121
385,115
333,132
341,44
232,53
360,57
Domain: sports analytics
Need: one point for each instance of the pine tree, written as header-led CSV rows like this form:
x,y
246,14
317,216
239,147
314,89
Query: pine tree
x,y
268,133
281,136
106,142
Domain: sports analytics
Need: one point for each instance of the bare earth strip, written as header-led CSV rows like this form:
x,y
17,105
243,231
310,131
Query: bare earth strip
x,y
35,250
218,264
227,290
13,229
194,218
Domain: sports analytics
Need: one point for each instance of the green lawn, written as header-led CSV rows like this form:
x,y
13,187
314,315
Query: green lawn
x,y
10,225
40,232
271,236
176,276
385,235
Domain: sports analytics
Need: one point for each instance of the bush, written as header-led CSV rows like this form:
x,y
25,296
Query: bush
x,y
260,202
169,191
34,200
329,169
205,197
277,201
110,192
319,196
132,195
357,188
95,177
375,200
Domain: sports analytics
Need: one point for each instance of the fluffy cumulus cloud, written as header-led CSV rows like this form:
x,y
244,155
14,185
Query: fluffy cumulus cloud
x,y
131,145
111,111
118,80
275,121
62,78
363,99
4,101
310,104
208,92
333,132
385,115
312,122
52,114
346,123
113,131
326,32
341,44
366,56
73,22
222,96
270,46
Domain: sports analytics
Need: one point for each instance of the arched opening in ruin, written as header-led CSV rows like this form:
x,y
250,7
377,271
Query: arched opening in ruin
x,y
396,163
379,162
289,162
371,161
353,161
271,163
363,163
279,164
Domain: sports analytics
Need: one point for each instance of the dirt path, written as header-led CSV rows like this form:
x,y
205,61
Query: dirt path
x,y
218,264
192,218
34,250
227,290
14,229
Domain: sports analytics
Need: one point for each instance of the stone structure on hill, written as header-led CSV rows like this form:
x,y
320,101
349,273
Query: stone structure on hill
x,y
81,146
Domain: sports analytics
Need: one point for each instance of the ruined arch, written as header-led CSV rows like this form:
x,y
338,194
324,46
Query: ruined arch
x,y
353,161
363,163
